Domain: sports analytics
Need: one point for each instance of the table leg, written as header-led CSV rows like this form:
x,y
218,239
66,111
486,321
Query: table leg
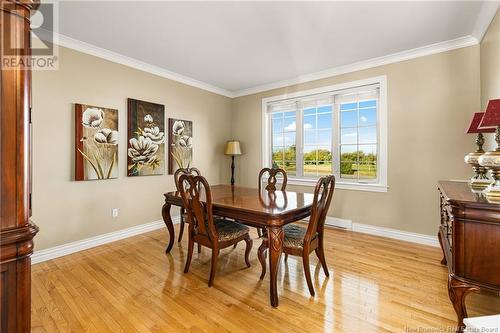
x,y
165,212
457,290
275,241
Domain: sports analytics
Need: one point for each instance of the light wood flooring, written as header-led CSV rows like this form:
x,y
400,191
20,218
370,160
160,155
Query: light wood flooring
x,y
376,285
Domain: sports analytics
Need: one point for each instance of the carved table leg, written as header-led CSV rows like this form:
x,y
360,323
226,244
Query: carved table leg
x,y
275,242
165,212
457,290
443,261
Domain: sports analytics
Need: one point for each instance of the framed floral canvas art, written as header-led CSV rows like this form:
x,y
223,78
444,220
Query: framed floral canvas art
x,y
146,138
96,142
180,150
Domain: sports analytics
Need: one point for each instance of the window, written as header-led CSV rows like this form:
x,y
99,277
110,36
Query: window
x,y
338,129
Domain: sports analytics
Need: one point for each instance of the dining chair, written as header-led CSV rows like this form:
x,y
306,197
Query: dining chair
x,y
183,215
271,183
301,241
213,232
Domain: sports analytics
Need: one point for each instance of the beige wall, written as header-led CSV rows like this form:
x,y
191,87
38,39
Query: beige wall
x,y
490,62
430,101
66,210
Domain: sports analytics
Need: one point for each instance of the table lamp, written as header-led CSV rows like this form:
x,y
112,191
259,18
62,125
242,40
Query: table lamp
x,y
233,149
480,180
491,159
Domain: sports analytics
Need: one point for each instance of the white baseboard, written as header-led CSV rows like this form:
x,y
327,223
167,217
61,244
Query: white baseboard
x,y
382,232
338,222
65,249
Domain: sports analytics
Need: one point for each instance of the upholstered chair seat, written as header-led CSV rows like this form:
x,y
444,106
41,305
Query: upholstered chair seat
x,y
229,230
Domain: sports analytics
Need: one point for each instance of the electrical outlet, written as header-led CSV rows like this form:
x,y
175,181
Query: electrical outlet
x,y
114,212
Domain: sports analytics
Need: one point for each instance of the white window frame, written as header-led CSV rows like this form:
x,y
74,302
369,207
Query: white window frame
x,y
381,185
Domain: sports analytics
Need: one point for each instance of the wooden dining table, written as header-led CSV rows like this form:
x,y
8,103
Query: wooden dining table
x,y
257,208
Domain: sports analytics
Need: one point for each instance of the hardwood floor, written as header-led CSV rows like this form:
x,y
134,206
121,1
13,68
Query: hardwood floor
x,y
375,285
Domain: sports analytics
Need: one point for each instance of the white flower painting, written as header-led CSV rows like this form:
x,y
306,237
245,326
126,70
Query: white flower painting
x,y
96,153
181,144
146,140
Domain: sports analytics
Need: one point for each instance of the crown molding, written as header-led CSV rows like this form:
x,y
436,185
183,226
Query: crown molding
x,y
99,52
484,18
365,64
87,48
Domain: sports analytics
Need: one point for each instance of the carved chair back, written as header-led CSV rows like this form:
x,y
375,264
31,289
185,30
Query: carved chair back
x,y
271,178
185,171
192,190
323,194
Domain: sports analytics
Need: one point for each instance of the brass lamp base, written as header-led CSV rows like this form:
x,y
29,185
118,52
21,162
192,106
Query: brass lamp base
x,y
491,160
480,180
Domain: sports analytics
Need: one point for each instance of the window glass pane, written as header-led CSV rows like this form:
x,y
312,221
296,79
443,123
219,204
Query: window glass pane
x,y
324,153
277,153
348,170
290,153
348,153
348,106
367,117
278,140
309,122
368,149
310,168
309,137
289,166
368,134
349,118
324,137
349,136
289,125
367,171
325,120
277,125
310,153
325,108
277,115
290,114
324,168
290,138
309,111
367,104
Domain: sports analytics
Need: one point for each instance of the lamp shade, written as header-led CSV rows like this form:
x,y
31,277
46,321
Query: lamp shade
x,y
476,121
233,148
492,115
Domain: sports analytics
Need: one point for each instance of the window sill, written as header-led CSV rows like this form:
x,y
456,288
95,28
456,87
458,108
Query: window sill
x,y
341,185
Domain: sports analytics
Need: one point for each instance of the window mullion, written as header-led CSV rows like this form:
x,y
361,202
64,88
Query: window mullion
x,y
336,140
299,142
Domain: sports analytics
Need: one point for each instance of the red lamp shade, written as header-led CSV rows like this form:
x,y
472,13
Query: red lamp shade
x,y
476,121
492,115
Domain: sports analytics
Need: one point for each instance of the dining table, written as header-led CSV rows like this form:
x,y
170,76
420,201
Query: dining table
x,y
271,210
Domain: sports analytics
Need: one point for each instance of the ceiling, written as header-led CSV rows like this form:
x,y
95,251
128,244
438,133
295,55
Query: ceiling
x,y
241,46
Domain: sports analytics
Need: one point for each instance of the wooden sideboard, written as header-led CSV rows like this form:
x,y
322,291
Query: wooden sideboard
x,y
16,230
469,235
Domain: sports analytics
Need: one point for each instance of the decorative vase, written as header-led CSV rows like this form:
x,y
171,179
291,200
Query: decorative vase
x,y
491,161
480,180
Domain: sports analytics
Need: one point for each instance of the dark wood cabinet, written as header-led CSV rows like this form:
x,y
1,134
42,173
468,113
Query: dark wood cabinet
x,y
469,235
16,230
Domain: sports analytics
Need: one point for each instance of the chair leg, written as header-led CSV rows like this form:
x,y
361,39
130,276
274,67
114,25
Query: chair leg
x,y
190,255
286,257
199,248
321,256
213,266
249,243
262,258
307,272
259,232
181,231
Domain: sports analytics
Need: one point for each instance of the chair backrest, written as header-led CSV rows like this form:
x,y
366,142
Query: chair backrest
x,y
323,194
192,189
271,179
185,171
